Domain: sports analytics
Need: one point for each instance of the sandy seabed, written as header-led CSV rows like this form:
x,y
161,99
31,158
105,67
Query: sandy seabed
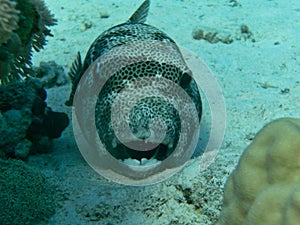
x,y
259,77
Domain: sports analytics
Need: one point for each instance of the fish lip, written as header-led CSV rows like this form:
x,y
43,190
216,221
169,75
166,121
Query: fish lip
x,y
143,149
142,144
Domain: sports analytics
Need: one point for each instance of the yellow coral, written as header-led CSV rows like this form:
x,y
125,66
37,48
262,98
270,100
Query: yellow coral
x,y
8,19
264,189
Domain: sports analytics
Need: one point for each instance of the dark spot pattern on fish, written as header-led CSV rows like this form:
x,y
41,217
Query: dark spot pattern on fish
x,y
134,30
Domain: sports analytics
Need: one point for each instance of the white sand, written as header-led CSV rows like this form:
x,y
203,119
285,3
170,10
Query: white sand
x,y
251,75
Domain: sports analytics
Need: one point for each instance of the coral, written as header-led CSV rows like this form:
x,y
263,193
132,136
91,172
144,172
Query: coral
x,y
40,30
27,125
24,26
211,37
13,129
25,196
9,17
265,186
51,74
214,36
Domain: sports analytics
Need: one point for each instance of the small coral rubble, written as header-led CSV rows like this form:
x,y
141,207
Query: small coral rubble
x,y
51,74
213,36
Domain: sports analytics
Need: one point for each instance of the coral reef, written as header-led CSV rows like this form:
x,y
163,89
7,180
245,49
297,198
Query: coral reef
x,y
23,27
27,125
9,18
25,196
265,186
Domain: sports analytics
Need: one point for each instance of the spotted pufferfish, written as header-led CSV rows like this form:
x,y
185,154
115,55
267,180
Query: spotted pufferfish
x,y
141,114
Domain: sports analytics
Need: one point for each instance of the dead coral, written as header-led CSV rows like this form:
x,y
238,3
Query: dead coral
x,y
34,18
51,74
9,17
242,34
211,36
245,34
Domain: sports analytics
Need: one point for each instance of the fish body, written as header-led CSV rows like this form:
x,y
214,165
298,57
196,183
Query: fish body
x,y
148,108
132,30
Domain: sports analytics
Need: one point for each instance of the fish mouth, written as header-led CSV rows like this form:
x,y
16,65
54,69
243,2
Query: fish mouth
x,y
141,152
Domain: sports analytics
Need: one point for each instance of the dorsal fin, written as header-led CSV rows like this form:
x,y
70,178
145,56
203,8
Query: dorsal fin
x,y
140,15
75,74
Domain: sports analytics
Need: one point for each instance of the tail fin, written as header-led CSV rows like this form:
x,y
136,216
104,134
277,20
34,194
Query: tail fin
x,y
140,15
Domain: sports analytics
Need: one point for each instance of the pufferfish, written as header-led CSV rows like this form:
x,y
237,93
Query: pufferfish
x,y
148,108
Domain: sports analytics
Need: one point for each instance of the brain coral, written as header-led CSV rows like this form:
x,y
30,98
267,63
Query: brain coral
x,y
264,189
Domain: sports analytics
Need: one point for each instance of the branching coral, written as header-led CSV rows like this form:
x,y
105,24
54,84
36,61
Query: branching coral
x,y
23,26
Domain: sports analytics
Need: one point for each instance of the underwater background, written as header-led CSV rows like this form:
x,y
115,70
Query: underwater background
x,y
252,49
